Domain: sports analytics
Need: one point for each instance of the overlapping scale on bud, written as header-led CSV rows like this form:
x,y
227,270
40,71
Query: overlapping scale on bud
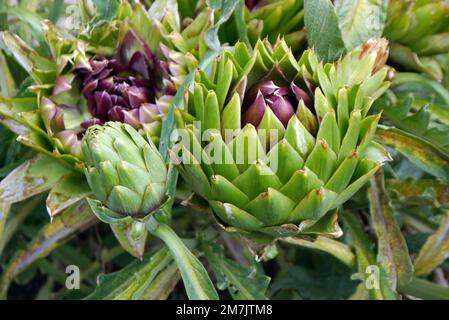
x,y
280,144
125,172
419,36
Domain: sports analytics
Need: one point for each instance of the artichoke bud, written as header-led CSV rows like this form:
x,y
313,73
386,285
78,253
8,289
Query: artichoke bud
x,y
300,143
52,115
125,172
124,87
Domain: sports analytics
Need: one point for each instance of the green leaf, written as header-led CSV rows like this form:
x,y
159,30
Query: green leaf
x,y
70,189
243,283
316,275
333,247
419,152
76,218
423,118
225,8
407,58
418,191
393,252
424,289
196,280
32,177
131,235
421,86
56,10
140,280
435,250
366,258
106,10
360,20
17,214
34,23
7,84
5,209
324,34
241,26
40,68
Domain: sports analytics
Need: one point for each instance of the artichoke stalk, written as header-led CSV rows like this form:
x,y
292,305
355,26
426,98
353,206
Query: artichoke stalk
x,y
290,182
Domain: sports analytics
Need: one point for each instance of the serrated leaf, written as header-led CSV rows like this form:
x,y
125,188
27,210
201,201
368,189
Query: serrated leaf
x,y
418,113
138,280
324,34
243,283
360,20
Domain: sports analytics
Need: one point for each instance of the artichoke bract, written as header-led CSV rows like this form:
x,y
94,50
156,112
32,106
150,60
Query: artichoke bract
x,y
280,144
125,172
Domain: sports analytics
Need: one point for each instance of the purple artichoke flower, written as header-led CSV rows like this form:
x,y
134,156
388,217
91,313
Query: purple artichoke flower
x,y
123,89
133,87
283,101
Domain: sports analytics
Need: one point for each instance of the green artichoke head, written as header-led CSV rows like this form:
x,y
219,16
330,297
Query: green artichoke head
x,y
280,144
125,172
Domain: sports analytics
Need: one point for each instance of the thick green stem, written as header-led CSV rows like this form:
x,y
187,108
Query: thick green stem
x,y
424,289
196,280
